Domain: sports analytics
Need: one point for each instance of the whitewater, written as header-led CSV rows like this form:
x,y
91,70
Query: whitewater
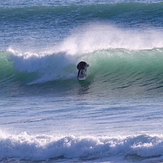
x,y
47,115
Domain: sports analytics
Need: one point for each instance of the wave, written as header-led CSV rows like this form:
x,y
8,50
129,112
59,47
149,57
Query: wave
x,y
118,58
116,69
86,148
108,49
22,3
128,12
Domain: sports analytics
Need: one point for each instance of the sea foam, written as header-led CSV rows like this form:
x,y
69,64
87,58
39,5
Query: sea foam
x,y
43,147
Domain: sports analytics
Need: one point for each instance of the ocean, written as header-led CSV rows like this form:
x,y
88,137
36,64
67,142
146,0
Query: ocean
x,y
47,115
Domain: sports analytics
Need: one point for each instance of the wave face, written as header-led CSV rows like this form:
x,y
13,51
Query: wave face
x,y
109,70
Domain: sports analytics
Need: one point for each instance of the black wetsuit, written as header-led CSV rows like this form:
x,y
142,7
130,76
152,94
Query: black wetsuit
x,y
81,65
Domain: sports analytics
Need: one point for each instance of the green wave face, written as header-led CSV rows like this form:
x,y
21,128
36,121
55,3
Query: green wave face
x,y
116,70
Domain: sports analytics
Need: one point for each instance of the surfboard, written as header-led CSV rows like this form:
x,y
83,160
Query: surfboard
x,y
82,74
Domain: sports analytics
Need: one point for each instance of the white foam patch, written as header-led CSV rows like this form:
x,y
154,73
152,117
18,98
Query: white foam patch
x,y
48,66
43,147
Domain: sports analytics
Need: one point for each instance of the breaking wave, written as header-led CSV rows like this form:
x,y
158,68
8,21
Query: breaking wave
x,y
118,58
45,147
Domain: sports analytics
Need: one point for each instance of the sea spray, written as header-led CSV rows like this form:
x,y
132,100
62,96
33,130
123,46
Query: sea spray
x,y
94,36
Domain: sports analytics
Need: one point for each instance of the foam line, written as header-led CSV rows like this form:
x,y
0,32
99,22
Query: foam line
x,y
43,147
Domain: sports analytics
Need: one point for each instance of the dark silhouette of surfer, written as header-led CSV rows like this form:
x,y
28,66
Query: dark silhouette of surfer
x,y
82,65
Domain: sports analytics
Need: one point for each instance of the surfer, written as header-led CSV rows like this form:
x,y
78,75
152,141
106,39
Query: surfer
x,y
82,66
